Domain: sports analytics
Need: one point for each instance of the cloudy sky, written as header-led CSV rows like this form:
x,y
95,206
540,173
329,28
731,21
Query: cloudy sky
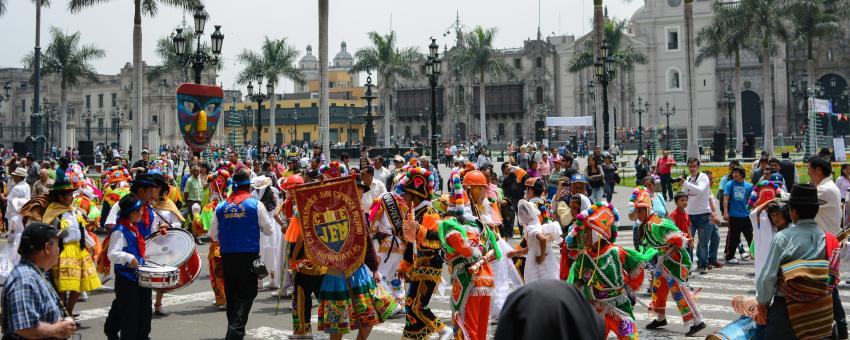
x,y
245,22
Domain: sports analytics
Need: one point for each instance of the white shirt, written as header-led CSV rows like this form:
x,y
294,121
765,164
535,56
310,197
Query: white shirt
x,y
843,185
698,194
115,253
375,190
381,174
262,218
829,214
73,230
481,160
18,196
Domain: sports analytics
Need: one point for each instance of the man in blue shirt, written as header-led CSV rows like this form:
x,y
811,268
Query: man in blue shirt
x,y
735,196
31,307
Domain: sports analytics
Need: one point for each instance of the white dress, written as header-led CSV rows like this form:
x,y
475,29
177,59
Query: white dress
x,y
527,215
18,196
762,237
270,245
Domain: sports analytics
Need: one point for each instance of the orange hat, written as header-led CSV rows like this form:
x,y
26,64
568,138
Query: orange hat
x,y
292,181
641,197
520,173
474,178
601,218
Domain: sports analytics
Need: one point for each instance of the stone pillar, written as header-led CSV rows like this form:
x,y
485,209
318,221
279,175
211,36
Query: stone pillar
x,y
70,134
154,139
126,137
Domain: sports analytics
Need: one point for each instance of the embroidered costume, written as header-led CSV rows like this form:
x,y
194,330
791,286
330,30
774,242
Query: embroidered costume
x,y
605,273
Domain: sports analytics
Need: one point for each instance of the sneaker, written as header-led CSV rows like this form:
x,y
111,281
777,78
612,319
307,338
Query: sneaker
x,y
695,329
655,324
732,261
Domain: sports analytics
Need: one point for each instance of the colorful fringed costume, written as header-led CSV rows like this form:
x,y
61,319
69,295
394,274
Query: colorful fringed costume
x,y
219,181
671,273
76,271
605,272
468,248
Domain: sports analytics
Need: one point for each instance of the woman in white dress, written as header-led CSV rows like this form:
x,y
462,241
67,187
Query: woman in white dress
x,y
17,197
270,246
541,233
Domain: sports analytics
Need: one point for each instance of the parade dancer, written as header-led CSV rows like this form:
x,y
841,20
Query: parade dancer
x,y
469,246
307,276
355,301
218,183
605,272
671,273
75,273
18,195
539,232
270,246
421,263
386,217
130,314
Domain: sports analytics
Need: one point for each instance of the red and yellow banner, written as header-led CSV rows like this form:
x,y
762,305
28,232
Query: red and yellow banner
x,y
332,223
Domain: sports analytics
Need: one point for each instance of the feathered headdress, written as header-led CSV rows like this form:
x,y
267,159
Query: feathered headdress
x,y
417,181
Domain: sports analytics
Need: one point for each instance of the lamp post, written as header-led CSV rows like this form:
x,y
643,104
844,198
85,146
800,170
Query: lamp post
x,y
640,109
117,117
369,134
87,117
295,118
259,98
803,93
729,100
348,133
667,113
199,58
604,74
433,68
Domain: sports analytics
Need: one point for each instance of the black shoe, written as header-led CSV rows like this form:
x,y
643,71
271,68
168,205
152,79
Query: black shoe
x,y
703,271
695,329
655,324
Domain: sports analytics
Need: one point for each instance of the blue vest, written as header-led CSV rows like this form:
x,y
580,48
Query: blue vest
x,y
238,227
132,247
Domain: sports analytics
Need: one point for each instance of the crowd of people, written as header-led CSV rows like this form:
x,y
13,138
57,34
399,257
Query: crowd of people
x,y
422,228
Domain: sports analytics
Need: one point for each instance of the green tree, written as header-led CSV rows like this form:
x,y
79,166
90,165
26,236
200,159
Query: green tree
x,y
726,35
477,59
389,62
275,59
624,56
810,20
140,7
68,59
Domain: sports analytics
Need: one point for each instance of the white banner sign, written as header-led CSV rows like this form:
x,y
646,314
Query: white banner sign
x,y
569,121
840,153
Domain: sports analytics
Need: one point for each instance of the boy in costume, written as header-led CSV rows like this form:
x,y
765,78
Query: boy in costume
x,y
605,272
671,272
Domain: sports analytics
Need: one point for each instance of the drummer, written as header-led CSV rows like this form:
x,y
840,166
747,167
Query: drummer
x,y
130,314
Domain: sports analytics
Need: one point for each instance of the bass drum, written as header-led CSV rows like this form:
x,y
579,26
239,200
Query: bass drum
x,y
175,248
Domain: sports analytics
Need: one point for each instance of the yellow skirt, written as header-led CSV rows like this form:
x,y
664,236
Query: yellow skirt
x,y
76,271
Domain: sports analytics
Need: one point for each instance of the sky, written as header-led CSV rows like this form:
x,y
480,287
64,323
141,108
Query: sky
x,y
245,23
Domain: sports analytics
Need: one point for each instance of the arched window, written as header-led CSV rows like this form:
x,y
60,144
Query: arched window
x,y
518,131
538,95
501,129
407,131
538,62
674,79
460,94
423,131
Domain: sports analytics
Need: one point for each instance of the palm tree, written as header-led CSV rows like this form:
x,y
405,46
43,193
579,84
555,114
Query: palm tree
x,y
68,59
726,35
276,59
815,19
478,58
389,62
693,147
324,104
149,7
624,56
45,3
767,27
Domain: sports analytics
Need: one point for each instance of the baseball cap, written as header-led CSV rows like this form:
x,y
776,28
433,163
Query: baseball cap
x,y
36,235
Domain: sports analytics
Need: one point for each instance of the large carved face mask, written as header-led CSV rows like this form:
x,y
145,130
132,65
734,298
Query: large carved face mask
x,y
198,111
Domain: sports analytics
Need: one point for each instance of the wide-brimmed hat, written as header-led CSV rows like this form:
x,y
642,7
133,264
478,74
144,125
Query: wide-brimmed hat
x,y
61,186
261,182
804,195
20,172
143,181
398,158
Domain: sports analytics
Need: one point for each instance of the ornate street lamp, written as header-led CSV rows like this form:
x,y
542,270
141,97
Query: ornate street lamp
x,y
369,134
605,74
87,117
295,118
117,117
640,109
348,133
259,98
199,58
729,100
667,113
803,93
433,69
